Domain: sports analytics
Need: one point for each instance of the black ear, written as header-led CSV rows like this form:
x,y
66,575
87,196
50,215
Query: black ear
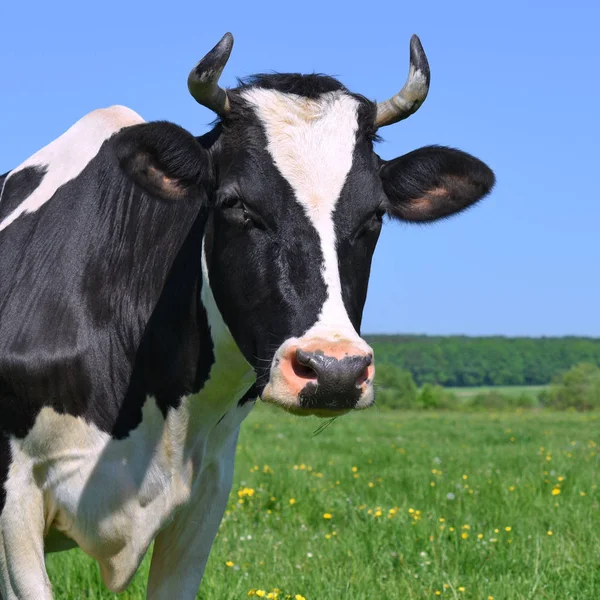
x,y
165,159
434,182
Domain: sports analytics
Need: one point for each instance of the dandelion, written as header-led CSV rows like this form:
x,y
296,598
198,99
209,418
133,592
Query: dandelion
x,y
556,491
507,528
549,532
327,516
371,484
582,493
355,469
229,563
292,501
245,492
260,593
438,593
299,597
480,536
464,535
450,496
462,588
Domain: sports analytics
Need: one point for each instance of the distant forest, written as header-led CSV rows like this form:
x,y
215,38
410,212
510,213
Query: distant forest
x,y
476,361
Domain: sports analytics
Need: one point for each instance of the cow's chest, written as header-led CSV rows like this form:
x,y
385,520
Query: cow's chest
x,y
111,497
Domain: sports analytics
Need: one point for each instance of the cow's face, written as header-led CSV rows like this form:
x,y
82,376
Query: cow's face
x,y
298,210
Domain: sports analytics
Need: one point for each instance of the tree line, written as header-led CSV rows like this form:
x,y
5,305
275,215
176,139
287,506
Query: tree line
x,y
461,361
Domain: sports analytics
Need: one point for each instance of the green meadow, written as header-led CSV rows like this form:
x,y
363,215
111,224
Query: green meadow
x,y
400,505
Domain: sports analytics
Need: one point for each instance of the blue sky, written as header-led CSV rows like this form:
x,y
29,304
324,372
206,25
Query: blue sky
x,y
516,84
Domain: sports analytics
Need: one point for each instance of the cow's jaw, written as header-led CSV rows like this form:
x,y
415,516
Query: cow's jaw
x,y
311,142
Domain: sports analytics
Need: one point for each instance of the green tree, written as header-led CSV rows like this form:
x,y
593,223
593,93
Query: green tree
x,y
578,388
395,388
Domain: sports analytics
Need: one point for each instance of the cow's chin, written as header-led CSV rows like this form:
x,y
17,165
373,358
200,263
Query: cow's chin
x,y
303,407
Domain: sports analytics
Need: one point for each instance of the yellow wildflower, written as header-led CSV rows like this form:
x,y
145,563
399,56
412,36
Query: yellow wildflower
x,y
327,516
229,563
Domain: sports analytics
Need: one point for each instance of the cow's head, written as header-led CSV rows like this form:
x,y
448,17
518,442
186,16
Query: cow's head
x,y
298,205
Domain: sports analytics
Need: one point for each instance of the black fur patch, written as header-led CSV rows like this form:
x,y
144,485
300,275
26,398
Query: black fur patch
x,y
18,187
5,459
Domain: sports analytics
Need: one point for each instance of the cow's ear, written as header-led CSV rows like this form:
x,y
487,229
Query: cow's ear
x,y
434,182
165,160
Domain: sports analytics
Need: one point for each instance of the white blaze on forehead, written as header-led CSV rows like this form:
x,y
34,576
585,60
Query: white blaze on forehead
x,y
312,144
67,156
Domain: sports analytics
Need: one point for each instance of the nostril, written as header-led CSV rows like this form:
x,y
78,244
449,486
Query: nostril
x,y
301,367
364,376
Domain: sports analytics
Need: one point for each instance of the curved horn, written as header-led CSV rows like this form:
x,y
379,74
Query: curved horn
x,y
203,80
413,94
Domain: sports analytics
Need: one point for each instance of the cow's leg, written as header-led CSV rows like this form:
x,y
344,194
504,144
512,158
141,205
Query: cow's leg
x,y
181,550
22,566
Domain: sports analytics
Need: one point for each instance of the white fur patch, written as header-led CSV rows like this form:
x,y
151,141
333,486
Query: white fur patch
x,y
67,156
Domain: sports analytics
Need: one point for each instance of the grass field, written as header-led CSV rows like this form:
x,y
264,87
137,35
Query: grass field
x,y
401,506
508,390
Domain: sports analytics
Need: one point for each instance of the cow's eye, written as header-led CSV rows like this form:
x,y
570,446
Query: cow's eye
x,y
234,211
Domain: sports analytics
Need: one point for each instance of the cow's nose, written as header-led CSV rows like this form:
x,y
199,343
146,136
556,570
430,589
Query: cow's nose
x,y
348,372
327,381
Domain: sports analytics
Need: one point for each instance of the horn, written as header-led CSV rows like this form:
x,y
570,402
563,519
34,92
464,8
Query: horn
x,y
413,94
203,80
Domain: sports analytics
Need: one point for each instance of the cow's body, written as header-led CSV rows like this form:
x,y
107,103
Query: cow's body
x,y
93,459
153,284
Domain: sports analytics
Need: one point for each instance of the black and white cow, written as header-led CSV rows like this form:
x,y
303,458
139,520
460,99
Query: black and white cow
x,y
153,284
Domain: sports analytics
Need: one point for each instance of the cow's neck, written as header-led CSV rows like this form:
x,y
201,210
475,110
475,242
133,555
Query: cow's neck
x,y
231,375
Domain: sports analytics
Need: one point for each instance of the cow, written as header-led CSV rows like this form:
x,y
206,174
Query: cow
x,y
154,285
